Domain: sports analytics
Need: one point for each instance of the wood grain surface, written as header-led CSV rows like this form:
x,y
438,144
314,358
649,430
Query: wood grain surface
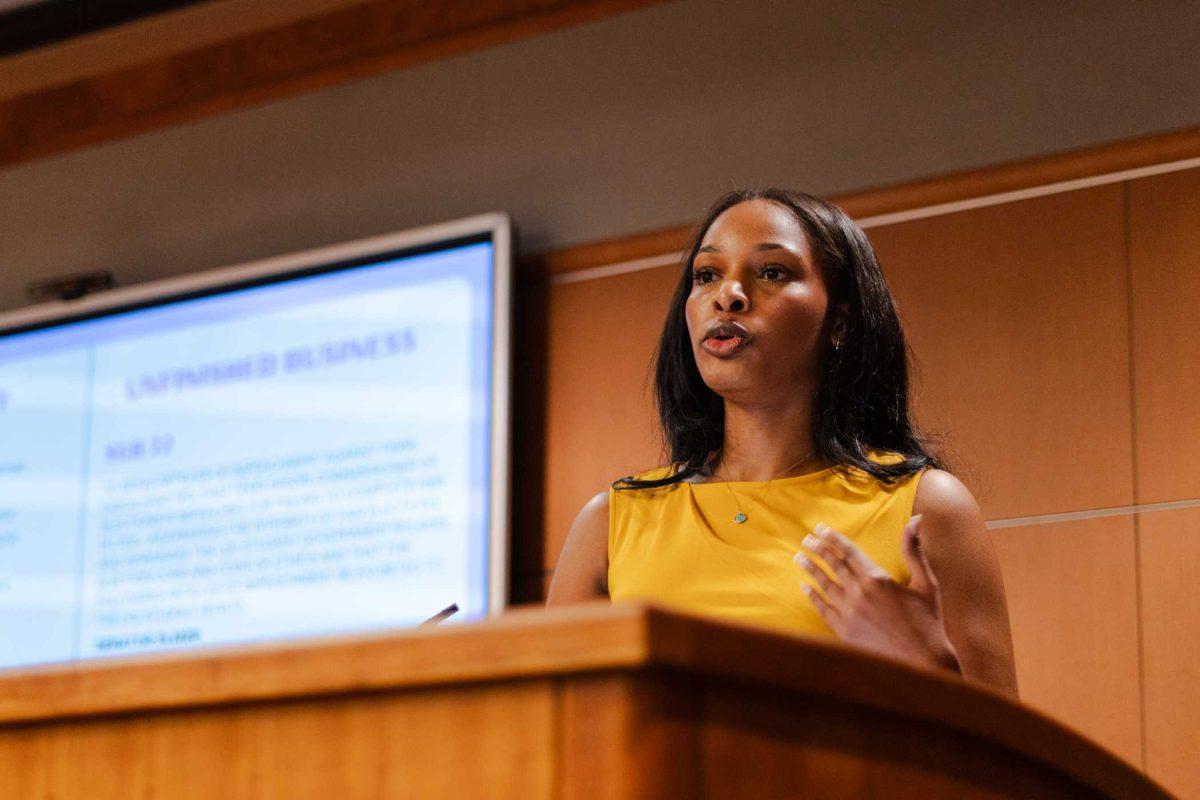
x,y
1017,318
472,741
605,693
1073,601
1164,261
1170,561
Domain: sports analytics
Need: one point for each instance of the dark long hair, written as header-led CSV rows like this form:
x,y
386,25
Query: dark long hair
x,y
861,403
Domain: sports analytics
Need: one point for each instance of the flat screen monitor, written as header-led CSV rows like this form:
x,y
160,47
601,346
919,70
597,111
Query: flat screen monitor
x,y
310,445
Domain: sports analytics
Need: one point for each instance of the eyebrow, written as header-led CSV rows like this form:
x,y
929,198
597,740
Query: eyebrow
x,y
708,248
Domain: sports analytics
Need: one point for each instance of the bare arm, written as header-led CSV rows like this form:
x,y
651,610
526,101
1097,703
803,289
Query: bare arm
x,y
960,552
951,615
582,570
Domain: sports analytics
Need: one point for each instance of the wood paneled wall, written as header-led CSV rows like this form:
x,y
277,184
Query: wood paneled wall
x,y
1056,343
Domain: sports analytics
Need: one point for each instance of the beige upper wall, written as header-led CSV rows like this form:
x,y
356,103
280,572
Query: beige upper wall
x,y
629,124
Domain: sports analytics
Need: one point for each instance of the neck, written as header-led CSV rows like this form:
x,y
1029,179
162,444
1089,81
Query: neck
x,y
765,441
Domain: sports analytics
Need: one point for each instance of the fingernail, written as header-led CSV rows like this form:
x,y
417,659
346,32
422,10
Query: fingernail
x,y
800,559
916,519
810,541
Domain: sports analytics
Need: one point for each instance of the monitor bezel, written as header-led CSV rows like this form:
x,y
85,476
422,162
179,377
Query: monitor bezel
x,y
328,259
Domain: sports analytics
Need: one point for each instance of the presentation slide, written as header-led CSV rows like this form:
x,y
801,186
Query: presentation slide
x,y
306,457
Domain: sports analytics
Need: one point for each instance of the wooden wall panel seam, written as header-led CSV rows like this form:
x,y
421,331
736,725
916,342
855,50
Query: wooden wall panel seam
x,y
1131,331
1133,452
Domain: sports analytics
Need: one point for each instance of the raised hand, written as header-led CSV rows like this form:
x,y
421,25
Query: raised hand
x,y
865,607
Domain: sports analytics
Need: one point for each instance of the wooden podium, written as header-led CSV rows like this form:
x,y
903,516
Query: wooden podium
x,y
589,702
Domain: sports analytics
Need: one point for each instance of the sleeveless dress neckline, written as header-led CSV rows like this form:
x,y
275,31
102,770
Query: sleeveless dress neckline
x,y
677,546
807,476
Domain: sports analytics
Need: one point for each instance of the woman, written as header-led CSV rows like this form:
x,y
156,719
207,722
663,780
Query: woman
x,y
800,495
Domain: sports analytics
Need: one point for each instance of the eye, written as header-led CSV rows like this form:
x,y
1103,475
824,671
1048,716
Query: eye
x,y
773,272
703,275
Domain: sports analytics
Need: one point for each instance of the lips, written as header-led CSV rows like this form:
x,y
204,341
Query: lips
x,y
724,348
725,339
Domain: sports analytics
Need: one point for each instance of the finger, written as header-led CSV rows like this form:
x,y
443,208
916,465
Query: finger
x,y
923,579
817,546
824,544
827,611
859,562
820,577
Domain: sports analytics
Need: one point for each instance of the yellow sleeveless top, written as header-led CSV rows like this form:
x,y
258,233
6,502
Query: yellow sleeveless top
x,y
678,545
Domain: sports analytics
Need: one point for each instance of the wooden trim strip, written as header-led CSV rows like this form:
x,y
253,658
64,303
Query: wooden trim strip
x,y
1092,513
673,259
1061,187
150,39
1072,165
337,46
1126,160
521,643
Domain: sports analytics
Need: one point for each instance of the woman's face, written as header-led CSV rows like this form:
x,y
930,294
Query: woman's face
x,y
757,307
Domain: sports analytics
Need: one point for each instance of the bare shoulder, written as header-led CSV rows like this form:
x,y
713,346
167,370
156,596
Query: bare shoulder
x,y
592,519
582,570
943,497
953,532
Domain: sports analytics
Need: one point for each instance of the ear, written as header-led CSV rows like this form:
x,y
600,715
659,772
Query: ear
x,y
837,327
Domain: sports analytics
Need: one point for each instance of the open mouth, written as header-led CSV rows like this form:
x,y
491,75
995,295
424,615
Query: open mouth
x,y
724,345
725,339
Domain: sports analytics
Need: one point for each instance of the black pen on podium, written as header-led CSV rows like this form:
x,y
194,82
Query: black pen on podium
x,y
441,615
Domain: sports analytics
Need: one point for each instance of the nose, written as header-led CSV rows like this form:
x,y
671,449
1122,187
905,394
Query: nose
x,y
731,297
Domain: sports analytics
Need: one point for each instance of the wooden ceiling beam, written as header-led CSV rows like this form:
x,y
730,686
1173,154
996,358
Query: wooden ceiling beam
x,y
338,45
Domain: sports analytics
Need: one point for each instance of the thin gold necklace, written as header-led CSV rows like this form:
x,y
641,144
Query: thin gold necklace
x,y
741,517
